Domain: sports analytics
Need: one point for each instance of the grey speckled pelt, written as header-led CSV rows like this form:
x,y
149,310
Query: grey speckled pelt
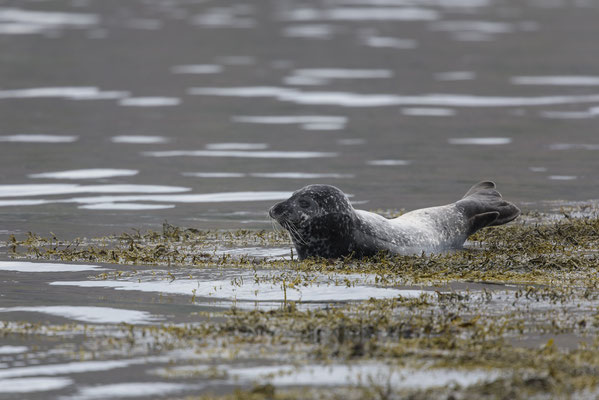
x,y
322,223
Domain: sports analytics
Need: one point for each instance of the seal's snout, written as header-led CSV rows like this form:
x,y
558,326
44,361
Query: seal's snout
x,y
276,211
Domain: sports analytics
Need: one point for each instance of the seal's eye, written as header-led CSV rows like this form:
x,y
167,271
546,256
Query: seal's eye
x,y
303,203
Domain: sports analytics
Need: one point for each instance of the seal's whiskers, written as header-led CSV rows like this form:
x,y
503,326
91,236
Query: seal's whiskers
x,y
295,234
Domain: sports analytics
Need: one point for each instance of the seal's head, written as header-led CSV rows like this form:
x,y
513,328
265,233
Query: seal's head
x,y
319,219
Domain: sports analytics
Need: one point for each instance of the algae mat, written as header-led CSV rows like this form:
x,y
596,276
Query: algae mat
x,y
184,313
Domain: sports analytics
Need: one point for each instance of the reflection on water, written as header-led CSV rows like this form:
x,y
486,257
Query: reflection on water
x,y
239,154
95,173
339,89
428,111
556,80
98,315
483,141
197,69
55,189
150,101
139,139
71,93
39,138
205,114
346,99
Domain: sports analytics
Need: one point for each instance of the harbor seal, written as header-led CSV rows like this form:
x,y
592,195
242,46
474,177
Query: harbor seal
x,y
322,223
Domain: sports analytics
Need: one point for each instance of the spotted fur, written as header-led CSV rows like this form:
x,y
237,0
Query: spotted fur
x,y
322,223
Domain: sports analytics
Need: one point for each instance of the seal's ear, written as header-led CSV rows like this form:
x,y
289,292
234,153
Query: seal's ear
x,y
480,186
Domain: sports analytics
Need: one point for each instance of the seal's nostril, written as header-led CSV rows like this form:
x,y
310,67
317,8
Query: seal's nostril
x,y
275,211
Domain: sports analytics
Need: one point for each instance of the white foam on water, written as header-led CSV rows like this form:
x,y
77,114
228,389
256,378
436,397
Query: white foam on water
x,y
93,173
13,349
139,139
31,385
39,138
563,177
131,389
77,367
343,73
390,42
455,76
20,190
563,80
428,112
299,175
126,206
70,93
388,163
573,146
362,14
240,154
249,291
347,99
364,374
214,174
309,31
537,169
150,102
236,146
484,141
25,266
96,315
197,69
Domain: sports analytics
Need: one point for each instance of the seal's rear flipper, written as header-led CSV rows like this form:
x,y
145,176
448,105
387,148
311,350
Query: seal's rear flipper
x,y
480,186
480,221
483,206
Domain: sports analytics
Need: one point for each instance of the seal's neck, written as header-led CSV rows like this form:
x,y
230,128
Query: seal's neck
x,y
326,236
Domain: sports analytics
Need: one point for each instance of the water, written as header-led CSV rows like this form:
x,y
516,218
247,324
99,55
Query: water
x,y
118,115
324,92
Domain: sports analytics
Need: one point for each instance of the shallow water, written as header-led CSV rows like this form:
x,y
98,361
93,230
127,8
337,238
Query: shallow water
x,y
119,115
69,308
402,104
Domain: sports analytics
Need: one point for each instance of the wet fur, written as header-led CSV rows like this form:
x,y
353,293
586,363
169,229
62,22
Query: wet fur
x,y
322,223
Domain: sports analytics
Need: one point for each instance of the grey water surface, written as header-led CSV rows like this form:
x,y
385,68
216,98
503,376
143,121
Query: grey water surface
x,y
123,114
205,113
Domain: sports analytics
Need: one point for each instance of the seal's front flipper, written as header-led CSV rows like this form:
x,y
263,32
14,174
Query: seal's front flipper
x,y
483,206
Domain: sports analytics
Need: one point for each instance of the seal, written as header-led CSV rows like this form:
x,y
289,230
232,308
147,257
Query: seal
x,y
322,223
